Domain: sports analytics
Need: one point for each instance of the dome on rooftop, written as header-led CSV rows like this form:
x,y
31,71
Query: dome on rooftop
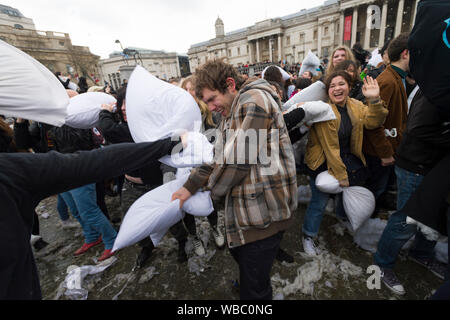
x,y
219,21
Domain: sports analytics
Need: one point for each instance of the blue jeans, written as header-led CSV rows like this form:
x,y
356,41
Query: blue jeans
x,y
397,231
314,212
91,218
61,206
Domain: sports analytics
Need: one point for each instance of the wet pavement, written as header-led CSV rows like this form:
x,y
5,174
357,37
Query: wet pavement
x,y
339,273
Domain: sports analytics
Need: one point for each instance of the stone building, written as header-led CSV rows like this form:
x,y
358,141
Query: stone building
x,y
320,29
53,49
164,65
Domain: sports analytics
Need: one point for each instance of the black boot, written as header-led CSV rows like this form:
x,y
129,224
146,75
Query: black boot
x,y
144,255
284,256
40,244
181,257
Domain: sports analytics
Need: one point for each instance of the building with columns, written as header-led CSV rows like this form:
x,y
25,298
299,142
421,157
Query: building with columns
x,y
53,49
320,29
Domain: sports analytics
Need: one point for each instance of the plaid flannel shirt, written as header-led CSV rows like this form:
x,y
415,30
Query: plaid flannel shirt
x,y
258,179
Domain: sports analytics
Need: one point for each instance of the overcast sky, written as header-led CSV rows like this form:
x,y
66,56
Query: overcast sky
x,y
170,25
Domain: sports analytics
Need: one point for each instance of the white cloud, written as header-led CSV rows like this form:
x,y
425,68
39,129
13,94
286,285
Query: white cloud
x,y
170,25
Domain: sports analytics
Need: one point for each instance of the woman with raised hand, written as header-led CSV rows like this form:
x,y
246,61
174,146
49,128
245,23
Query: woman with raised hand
x,y
336,146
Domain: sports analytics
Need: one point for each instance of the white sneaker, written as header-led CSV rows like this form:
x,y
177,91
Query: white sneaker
x,y
218,237
198,247
309,246
66,224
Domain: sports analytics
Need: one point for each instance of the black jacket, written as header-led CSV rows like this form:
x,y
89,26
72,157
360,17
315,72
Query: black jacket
x,y
426,138
34,136
429,50
118,132
26,179
113,131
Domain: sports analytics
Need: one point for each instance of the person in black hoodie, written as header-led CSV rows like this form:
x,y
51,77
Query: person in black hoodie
x,y
26,179
425,143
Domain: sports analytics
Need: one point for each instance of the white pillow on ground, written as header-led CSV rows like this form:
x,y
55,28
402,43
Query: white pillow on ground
x,y
28,89
325,182
157,109
314,92
359,204
83,109
154,213
310,63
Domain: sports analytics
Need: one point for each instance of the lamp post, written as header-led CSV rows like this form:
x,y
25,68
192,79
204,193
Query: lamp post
x,y
293,55
123,53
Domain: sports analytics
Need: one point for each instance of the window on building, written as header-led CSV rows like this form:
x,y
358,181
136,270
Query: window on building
x,y
302,37
61,43
288,40
248,51
239,51
325,31
18,26
315,35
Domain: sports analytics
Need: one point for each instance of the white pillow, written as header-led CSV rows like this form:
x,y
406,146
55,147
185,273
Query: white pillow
x,y
284,74
154,213
83,109
315,111
157,109
310,63
28,89
314,92
359,204
198,151
376,58
325,182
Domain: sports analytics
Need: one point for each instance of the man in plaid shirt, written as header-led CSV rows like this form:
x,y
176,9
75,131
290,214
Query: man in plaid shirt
x,y
253,168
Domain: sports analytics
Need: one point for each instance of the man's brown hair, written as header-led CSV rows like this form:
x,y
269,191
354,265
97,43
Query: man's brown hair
x,y
397,46
213,75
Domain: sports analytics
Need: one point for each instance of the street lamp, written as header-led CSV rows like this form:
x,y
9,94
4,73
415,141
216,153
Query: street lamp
x,y
118,41
123,51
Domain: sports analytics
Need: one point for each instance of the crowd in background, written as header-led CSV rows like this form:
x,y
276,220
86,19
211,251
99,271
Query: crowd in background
x,y
387,137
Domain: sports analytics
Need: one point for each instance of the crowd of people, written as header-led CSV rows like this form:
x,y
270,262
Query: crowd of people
x,y
386,136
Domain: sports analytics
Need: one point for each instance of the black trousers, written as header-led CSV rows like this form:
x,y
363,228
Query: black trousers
x,y
255,262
